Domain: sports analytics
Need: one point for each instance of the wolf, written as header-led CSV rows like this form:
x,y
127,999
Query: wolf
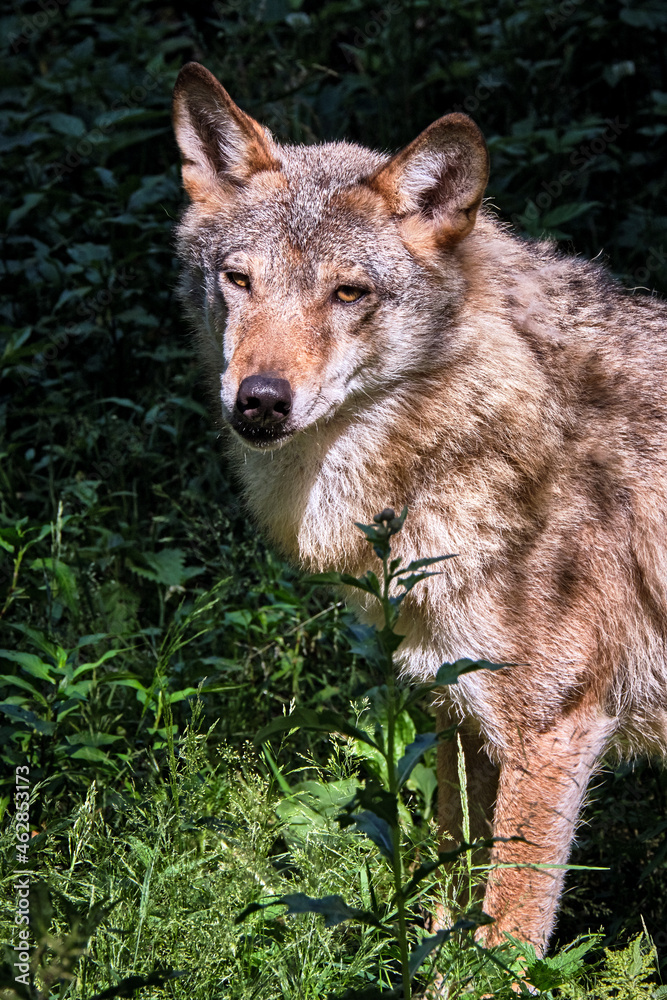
x,y
377,339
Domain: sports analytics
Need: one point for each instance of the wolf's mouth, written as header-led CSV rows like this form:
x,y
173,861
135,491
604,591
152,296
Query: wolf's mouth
x,y
261,436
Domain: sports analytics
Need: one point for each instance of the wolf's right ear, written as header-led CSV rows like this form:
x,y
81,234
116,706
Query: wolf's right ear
x,y
218,141
441,176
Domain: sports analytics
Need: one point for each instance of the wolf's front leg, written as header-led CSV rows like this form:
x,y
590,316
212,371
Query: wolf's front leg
x,y
540,792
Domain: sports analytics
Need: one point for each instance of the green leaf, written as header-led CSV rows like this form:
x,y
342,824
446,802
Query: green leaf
x,y
311,806
91,754
368,582
109,655
411,581
413,754
379,533
89,253
30,663
154,188
334,909
168,566
389,640
176,696
373,584
424,780
122,401
63,708
79,690
129,681
26,685
29,202
66,124
371,797
649,16
548,973
92,739
251,908
566,212
33,721
363,640
418,564
449,673
326,721
370,531
39,639
377,830
64,578
423,950
92,640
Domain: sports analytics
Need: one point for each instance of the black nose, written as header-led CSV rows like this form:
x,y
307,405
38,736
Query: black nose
x,y
264,400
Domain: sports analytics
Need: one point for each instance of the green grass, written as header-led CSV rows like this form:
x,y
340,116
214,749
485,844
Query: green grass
x,y
153,889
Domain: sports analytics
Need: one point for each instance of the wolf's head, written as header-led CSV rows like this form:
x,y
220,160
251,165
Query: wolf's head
x,y
323,274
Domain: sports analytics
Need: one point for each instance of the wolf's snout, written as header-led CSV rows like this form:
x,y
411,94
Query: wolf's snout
x,y
263,400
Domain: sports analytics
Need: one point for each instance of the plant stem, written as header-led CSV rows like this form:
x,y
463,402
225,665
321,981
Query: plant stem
x,y
397,865
15,579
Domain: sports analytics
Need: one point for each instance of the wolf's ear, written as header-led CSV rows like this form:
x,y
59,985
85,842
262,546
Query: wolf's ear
x,y
441,175
218,141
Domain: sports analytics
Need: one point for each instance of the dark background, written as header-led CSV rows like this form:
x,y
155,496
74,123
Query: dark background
x,y
112,478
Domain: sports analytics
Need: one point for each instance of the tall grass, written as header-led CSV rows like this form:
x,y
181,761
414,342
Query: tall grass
x,y
251,878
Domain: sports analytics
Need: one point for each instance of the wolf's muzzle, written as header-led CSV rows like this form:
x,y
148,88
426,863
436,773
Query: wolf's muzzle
x,y
263,404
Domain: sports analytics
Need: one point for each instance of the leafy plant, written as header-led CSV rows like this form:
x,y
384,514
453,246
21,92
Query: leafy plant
x,y
374,809
141,898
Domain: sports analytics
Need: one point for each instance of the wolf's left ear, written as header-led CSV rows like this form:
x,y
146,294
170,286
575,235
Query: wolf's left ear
x,y
218,141
442,176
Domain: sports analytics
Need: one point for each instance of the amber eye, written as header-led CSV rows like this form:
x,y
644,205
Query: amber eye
x,y
349,293
242,280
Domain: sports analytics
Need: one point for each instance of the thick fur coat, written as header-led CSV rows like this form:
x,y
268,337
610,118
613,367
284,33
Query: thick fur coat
x,y
410,350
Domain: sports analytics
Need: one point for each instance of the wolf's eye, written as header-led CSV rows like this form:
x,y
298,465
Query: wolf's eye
x,y
242,280
349,293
